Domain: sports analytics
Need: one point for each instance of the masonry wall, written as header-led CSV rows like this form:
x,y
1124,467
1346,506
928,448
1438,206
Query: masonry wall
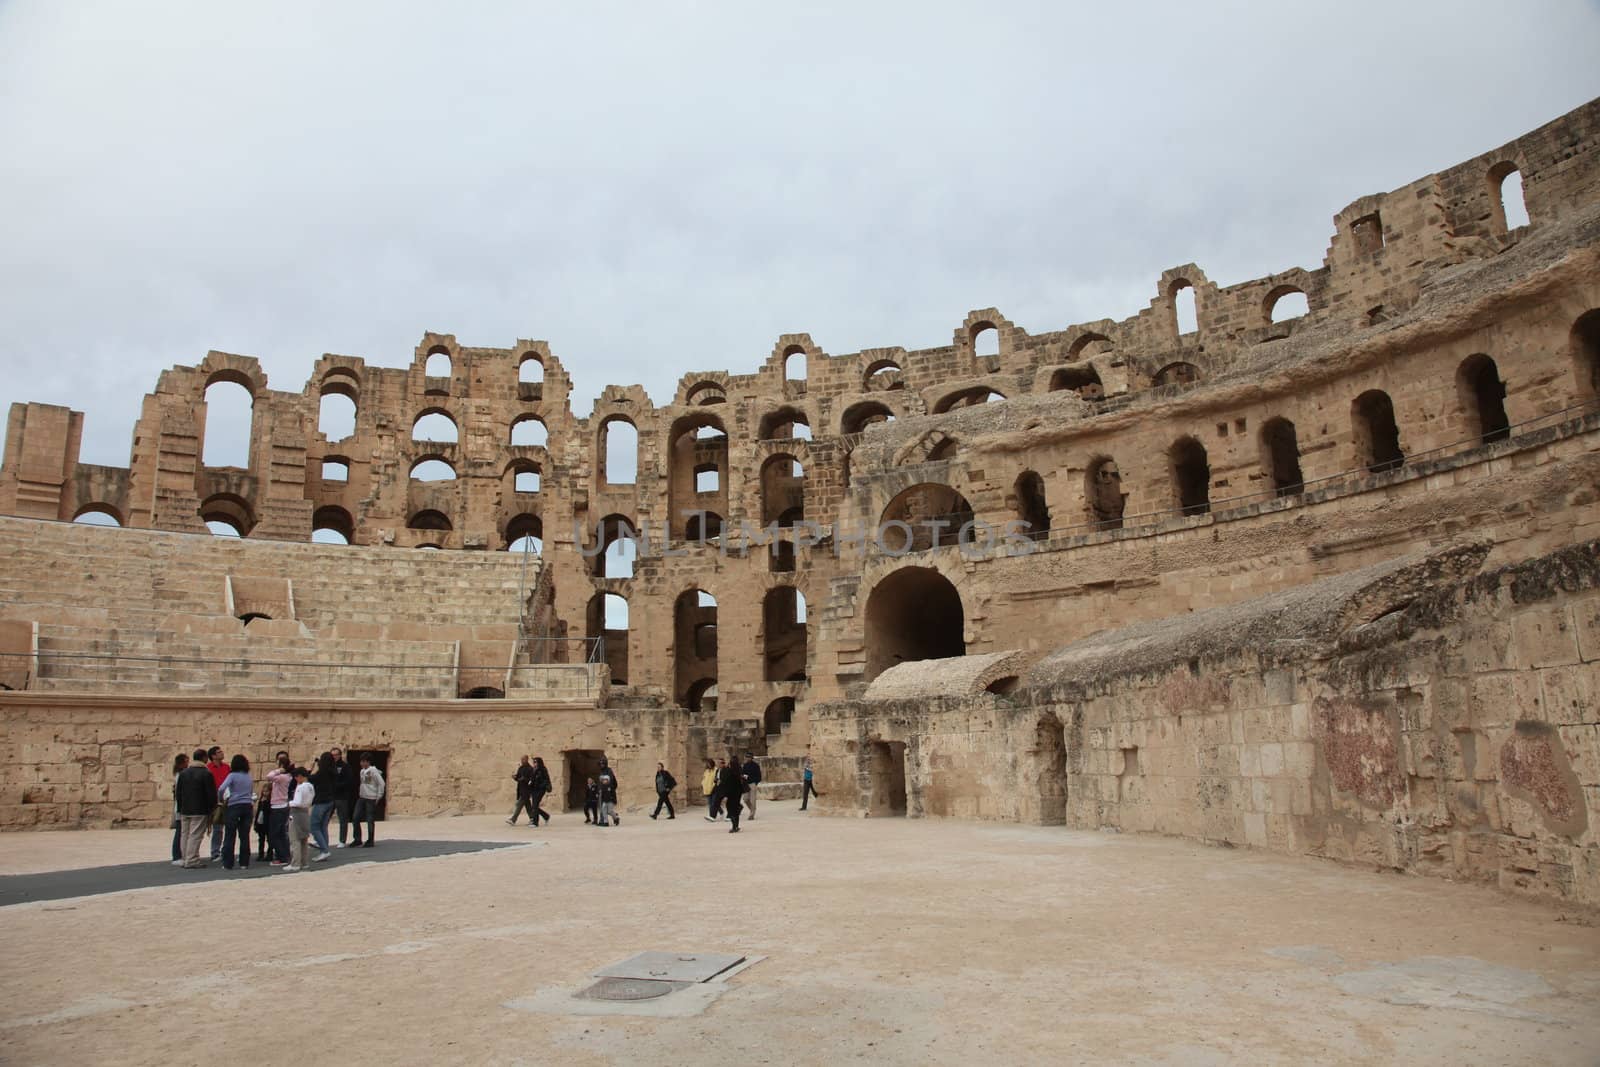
x,y
91,761
1458,737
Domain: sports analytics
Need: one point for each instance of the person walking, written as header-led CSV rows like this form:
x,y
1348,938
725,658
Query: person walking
x,y
218,766
524,779
238,792
540,789
344,794
708,788
323,783
179,762
591,803
606,779
752,778
197,795
665,784
807,788
281,781
730,787
300,804
369,791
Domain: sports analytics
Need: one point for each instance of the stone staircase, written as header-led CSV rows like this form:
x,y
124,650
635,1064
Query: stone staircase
x,y
148,611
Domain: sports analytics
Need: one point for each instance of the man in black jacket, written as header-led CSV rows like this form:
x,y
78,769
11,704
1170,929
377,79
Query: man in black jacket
x,y
538,790
196,793
730,787
524,780
606,779
665,784
344,794
752,778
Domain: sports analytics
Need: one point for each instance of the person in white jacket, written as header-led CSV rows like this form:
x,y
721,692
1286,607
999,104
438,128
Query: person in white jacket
x,y
300,821
370,791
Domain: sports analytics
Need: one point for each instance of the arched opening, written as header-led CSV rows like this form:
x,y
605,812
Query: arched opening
x,y
1483,398
1285,303
1375,432
429,519
783,618
229,408
436,427
1280,456
779,713
967,398
98,515
619,451
1083,380
785,424
794,364
944,451
703,526
336,414
702,696
432,470
251,616
1510,209
783,491
530,371
526,478
867,413
985,340
1103,495
694,638
1088,344
1029,505
1186,313
1177,374
927,515
332,525
913,614
438,362
1191,475
616,547
335,469
1050,762
1585,345
697,458
705,393
883,375
529,431
226,515
886,773
607,621
484,692
525,533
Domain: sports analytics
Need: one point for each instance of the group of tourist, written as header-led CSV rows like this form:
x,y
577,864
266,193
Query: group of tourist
x,y
293,811
729,788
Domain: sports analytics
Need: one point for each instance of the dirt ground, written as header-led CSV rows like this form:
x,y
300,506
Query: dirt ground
x,y
897,941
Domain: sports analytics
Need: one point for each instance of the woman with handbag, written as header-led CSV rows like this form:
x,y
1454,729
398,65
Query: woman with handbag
x,y
236,793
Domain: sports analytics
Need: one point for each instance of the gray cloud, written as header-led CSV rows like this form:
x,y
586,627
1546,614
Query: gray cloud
x,y
662,188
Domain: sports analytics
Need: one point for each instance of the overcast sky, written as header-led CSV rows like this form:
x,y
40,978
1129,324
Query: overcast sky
x,y
658,188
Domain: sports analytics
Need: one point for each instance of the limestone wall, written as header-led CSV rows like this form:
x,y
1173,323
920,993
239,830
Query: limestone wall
x,y
1398,717
83,760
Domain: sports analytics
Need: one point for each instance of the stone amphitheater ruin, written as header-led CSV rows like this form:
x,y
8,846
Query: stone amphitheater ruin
x,y
1323,585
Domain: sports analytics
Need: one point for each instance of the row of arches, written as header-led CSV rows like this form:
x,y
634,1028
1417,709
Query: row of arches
x,y
1375,435
695,638
530,367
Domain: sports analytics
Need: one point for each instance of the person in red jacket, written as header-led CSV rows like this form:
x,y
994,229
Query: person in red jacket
x,y
217,764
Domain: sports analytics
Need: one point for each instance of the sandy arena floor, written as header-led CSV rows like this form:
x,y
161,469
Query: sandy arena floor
x,y
889,941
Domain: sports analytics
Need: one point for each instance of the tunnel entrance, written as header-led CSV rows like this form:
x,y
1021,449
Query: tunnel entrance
x,y
581,765
913,614
887,772
1050,750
